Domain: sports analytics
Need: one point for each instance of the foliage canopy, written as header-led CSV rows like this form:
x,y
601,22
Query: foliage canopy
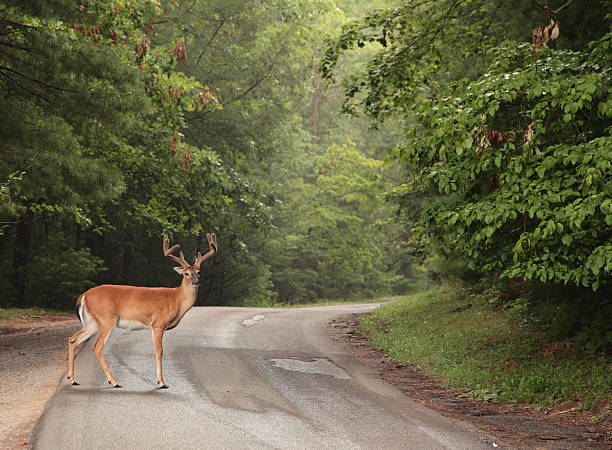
x,y
516,158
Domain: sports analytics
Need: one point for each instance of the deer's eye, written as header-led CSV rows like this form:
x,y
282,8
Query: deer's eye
x,y
187,274
198,273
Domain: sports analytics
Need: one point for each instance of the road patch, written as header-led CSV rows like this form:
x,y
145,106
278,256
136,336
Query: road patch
x,y
321,366
253,320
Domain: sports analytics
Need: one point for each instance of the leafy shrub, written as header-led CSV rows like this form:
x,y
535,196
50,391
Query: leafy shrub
x,y
55,279
522,161
566,315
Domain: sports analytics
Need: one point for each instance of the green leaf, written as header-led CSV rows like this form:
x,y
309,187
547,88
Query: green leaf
x,y
467,143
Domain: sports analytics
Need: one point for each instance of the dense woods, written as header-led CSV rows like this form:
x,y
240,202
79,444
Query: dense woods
x,y
123,121
336,148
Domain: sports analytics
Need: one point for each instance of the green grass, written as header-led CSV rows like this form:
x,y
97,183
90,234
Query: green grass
x,y
460,336
323,302
25,313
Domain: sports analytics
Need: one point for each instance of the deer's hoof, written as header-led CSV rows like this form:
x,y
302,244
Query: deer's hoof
x,y
116,385
163,386
74,383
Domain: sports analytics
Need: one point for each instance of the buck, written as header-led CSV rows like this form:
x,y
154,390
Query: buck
x,y
102,308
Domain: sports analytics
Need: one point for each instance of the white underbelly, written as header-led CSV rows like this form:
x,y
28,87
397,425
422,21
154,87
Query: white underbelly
x,y
131,325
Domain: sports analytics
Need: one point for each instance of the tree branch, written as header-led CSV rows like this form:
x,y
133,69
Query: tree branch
x,y
17,24
38,81
258,81
210,40
562,7
7,44
542,7
49,86
29,91
188,9
549,11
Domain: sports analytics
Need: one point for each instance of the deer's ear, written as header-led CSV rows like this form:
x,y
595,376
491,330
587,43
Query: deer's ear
x,y
179,270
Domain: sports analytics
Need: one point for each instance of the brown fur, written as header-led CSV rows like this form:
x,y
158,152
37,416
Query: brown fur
x,y
159,308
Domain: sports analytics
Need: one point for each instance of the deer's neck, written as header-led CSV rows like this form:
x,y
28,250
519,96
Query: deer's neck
x,y
187,296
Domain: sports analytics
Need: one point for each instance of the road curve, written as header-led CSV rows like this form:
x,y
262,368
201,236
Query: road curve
x,y
241,378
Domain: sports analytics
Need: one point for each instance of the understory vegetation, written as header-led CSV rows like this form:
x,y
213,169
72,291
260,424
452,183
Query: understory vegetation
x,y
27,313
496,353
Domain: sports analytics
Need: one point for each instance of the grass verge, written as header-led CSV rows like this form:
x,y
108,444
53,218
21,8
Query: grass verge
x,y
323,302
447,331
27,313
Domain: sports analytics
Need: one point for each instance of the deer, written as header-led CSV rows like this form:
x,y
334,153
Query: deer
x,y
102,308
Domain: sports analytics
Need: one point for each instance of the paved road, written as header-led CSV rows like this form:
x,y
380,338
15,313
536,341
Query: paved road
x,y
241,378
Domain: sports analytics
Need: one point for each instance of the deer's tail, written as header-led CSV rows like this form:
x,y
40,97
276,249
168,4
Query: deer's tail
x,y
80,304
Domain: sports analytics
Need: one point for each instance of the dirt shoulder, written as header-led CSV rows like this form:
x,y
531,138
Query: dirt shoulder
x,y
18,325
516,426
33,355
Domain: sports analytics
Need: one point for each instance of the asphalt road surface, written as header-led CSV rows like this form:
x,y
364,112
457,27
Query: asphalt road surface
x,y
241,378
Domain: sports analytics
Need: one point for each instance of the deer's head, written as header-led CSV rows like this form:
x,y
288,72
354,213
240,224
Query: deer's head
x,y
190,272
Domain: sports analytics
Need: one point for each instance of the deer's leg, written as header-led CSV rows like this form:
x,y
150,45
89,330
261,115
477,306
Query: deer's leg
x,y
74,340
97,348
158,334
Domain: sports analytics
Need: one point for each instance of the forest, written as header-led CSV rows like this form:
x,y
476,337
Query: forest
x,y
339,149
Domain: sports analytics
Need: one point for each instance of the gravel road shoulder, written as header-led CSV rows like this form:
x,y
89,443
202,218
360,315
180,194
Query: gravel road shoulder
x,y
33,355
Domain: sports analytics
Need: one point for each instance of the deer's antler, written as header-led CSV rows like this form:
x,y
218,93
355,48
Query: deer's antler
x,y
168,253
212,243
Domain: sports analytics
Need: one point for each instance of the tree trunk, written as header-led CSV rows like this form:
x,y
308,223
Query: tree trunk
x,y
316,97
128,258
21,256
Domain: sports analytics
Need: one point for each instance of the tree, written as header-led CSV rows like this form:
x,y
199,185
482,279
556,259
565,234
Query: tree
x,y
332,241
89,136
424,45
522,157
514,159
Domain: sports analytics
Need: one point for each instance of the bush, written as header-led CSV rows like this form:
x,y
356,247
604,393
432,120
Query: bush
x,y
520,159
56,279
